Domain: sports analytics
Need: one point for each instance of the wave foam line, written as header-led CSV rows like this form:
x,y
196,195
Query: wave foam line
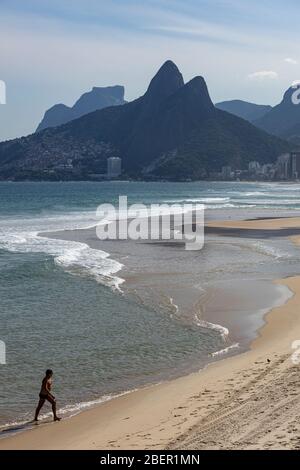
x,y
95,262
225,350
224,332
204,200
74,257
269,250
67,411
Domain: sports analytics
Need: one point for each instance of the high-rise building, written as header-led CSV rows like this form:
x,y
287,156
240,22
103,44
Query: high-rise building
x,y
114,167
254,167
226,172
284,166
295,161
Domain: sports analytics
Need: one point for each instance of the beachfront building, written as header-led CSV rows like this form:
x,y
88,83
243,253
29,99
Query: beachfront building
x,y
269,171
295,164
254,167
288,166
284,170
114,167
226,172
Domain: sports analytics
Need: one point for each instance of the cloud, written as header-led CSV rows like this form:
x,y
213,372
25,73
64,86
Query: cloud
x,y
52,53
263,75
290,60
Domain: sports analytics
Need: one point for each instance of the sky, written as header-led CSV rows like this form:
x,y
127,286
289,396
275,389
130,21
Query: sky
x,y
52,51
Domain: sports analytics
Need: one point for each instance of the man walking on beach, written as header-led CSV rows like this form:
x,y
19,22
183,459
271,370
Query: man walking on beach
x,y
45,394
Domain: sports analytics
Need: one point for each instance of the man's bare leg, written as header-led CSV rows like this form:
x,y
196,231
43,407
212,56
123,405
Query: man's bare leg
x,y
53,403
38,409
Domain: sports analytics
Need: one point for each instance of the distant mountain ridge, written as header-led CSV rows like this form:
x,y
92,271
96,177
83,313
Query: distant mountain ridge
x,y
284,119
243,109
97,98
173,131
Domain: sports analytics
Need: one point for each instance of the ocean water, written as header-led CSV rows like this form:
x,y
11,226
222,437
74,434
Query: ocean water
x,y
63,304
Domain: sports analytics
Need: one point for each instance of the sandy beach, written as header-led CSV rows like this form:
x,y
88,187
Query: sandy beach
x,y
248,401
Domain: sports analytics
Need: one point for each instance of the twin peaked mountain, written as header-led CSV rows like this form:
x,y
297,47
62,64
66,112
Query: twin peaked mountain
x,y
172,131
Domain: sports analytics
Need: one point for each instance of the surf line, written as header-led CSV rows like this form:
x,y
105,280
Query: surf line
x,y
224,332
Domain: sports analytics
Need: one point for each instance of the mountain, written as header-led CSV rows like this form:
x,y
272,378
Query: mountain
x,y
284,119
173,131
244,109
97,98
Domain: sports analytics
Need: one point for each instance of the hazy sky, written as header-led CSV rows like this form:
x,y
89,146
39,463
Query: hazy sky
x,y
54,50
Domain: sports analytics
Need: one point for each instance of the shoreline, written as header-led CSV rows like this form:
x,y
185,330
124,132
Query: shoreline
x,y
173,414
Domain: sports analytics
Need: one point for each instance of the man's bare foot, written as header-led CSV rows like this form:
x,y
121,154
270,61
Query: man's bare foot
x,y
56,418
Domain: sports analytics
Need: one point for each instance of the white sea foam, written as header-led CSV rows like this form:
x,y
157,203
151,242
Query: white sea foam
x,y
241,200
174,307
224,351
282,187
230,205
215,203
273,202
253,193
66,411
224,332
269,250
201,200
77,258
95,263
